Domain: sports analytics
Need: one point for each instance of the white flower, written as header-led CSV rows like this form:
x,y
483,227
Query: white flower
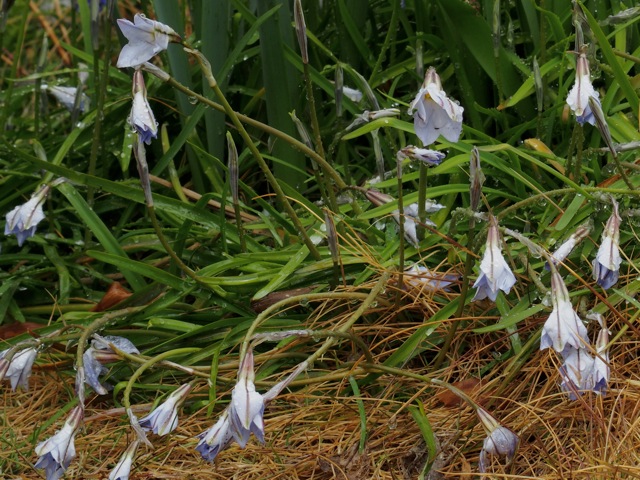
x,y
19,369
23,220
146,39
582,90
141,117
411,219
563,327
577,371
500,440
100,352
495,273
247,405
424,155
601,370
164,419
67,97
57,452
216,439
421,277
606,265
122,470
434,114
352,94
569,244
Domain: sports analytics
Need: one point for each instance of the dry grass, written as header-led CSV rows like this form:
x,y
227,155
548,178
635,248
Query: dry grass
x,y
313,431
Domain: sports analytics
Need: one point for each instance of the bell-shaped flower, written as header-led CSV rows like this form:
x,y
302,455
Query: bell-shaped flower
x,y
23,220
424,155
146,38
582,90
99,353
19,367
577,371
606,265
123,468
57,452
495,273
352,94
164,419
141,117
67,97
247,406
500,440
216,439
563,327
420,277
411,219
601,370
434,113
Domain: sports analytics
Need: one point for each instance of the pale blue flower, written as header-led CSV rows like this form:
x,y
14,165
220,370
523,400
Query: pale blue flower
x,y
57,452
606,265
563,328
164,419
141,117
23,220
434,114
122,470
216,439
100,352
424,155
19,368
495,273
500,440
247,406
582,90
146,38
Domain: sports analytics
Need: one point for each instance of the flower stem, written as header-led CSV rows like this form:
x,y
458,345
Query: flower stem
x,y
206,70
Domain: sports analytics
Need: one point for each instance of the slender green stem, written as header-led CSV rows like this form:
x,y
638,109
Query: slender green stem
x,y
312,297
294,142
422,198
149,363
206,70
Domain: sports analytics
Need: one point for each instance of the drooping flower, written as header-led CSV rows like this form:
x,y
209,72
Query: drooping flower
x,y
421,277
67,97
146,39
141,117
601,370
57,452
495,273
424,155
577,371
23,220
123,468
247,406
411,219
245,412
563,327
216,439
99,353
19,368
164,419
500,440
582,90
352,94
434,113
606,265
